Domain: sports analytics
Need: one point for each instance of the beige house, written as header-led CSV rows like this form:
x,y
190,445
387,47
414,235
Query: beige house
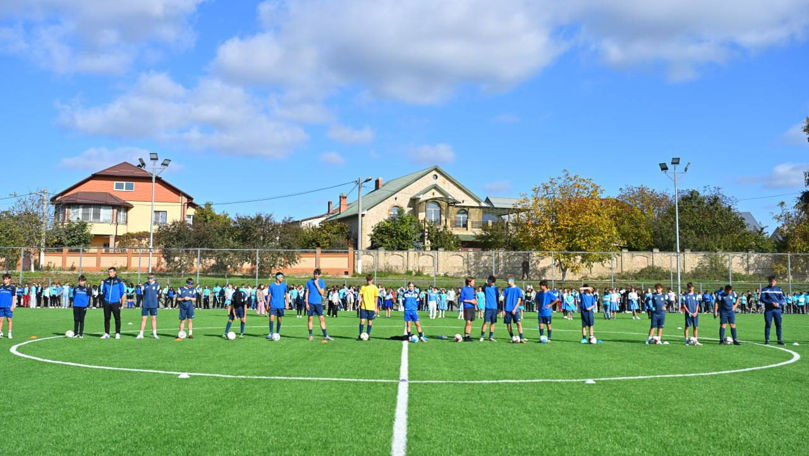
x,y
433,196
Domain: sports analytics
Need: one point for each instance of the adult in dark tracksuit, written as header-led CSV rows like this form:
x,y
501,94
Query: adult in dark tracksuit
x,y
112,291
81,299
774,300
725,308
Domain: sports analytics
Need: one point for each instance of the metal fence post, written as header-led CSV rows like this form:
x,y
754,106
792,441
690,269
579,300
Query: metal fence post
x,y
612,270
81,258
256,267
139,253
553,270
730,269
376,261
789,272
198,266
435,267
671,271
494,266
22,256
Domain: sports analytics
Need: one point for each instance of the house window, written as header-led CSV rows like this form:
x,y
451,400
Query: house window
x,y
189,219
124,187
433,213
490,218
461,218
122,216
395,212
160,218
92,214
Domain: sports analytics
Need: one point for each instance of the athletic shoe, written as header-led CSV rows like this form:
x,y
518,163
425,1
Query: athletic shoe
x,y
81,336
722,342
467,339
117,336
522,341
241,336
190,336
492,339
1,334
648,341
311,338
327,338
105,336
154,336
696,342
482,339
140,336
423,339
736,342
766,342
225,336
269,337
9,335
781,342
359,338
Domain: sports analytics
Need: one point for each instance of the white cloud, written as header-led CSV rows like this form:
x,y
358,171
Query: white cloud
x,y
93,36
783,175
348,135
795,136
332,158
498,187
211,116
436,154
98,158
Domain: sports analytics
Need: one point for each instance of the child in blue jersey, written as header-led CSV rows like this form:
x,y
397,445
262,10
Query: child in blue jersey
x,y
725,308
237,308
605,303
512,299
707,301
432,302
491,296
278,297
442,303
545,300
411,307
313,297
690,303
187,295
657,303
81,299
481,297
587,307
468,302
151,293
569,305
8,302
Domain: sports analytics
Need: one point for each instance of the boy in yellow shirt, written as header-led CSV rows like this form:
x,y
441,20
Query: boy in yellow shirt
x,y
369,305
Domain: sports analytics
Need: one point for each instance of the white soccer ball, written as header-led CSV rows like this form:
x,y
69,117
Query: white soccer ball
x,y
458,338
276,337
729,340
543,339
593,340
515,339
181,335
364,336
69,334
692,341
414,339
231,335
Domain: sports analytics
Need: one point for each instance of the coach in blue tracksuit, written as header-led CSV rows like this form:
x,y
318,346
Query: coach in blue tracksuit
x,y
774,300
112,291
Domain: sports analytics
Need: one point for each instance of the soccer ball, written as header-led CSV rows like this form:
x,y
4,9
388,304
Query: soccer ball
x,y
458,338
364,336
231,335
543,339
515,339
181,335
593,340
692,341
276,337
69,334
414,339
728,340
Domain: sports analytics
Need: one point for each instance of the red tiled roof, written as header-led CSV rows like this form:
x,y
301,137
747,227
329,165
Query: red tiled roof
x,y
100,198
124,169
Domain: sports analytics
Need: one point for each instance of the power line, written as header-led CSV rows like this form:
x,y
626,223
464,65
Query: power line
x,y
289,195
768,196
19,196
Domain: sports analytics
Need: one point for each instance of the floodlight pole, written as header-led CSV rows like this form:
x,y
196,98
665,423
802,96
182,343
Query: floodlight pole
x,y
677,231
153,158
360,181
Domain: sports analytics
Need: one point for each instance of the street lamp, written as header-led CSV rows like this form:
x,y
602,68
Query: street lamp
x,y
154,172
664,168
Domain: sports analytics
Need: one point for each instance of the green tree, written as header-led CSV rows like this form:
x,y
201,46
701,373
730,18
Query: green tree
x,y
566,213
442,238
398,233
328,235
69,234
263,233
633,226
499,235
652,203
806,128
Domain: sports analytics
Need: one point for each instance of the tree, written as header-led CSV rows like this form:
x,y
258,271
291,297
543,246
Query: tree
x,y
397,233
567,214
499,235
633,226
328,235
263,233
792,235
69,234
442,238
806,128
652,203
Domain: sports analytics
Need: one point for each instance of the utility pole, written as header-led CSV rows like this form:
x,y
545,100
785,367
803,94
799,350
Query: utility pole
x,y
44,227
664,167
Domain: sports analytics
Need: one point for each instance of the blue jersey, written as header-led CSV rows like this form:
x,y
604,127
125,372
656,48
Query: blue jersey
x,y
467,293
691,302
511,295
657,301
771,296
7,293
112,289
314,294
727,301
81,296
544,300
411,300
491,294
277,292
188,292
150,293
432,296
707,298
588,302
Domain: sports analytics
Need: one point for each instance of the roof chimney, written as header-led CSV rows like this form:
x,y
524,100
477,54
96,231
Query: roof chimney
x,y
328,211
343,202
378,183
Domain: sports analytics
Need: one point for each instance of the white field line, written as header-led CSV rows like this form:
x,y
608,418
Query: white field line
x,y
399,441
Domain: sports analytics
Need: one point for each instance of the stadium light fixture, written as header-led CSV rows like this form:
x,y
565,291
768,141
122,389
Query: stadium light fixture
x,y
675,161
165,163
153,156
687,165
141,163
664,167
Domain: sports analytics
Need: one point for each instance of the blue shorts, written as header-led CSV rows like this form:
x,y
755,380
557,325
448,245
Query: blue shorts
x,y
146,311
6,312
411,315
315,309
490,316
633,305
186,310
691,321
509,318
658,320
587,318
387,305
614,306
277,311
543,320
237,312
727,317
367,314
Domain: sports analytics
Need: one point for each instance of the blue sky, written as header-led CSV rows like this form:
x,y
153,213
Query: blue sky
x,y
257,99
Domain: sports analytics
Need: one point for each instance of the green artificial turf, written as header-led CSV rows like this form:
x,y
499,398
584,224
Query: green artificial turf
x,y
59,409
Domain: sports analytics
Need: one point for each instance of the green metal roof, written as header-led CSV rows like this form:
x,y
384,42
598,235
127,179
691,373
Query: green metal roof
x,y
394,186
